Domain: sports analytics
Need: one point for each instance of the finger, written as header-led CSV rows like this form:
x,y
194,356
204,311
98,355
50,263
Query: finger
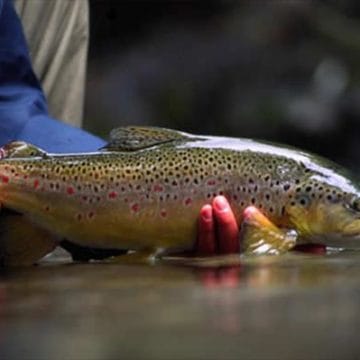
x,y
206,242
227,227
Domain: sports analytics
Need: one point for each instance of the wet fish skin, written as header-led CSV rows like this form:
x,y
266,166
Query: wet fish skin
x,y
149,197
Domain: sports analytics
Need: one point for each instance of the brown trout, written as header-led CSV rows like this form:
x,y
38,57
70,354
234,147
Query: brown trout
x,y
145,189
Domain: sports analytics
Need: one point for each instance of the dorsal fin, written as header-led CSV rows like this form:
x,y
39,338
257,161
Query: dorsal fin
x,y
20,149
133,138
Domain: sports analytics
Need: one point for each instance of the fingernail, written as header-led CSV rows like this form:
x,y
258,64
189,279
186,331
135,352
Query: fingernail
x,y
221,204
206,213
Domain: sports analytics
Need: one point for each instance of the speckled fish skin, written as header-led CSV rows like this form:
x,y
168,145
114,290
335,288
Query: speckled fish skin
x,y
150,196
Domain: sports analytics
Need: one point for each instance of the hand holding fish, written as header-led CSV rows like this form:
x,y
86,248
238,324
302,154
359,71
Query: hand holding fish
x,y
218,231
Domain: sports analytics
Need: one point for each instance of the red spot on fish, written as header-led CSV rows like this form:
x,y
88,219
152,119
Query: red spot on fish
x,y
158,188
163,213
235,197
16,175
25,177
211,182
135,207
85,198
188,201
36,183
5,179
113,195
70,190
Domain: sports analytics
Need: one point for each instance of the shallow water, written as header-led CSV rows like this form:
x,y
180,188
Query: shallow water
x,y
291,306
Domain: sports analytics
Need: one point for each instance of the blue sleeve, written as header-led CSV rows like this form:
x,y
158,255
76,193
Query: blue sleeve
x,y
23,109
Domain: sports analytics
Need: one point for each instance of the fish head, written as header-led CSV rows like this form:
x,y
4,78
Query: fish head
x,y
326,213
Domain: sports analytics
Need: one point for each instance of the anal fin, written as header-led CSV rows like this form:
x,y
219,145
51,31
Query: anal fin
x,y
259,236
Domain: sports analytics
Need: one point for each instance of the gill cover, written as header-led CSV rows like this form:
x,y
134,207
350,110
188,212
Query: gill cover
x,y
329,214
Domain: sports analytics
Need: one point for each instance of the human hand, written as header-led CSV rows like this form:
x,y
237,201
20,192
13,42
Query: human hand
x,y
218,231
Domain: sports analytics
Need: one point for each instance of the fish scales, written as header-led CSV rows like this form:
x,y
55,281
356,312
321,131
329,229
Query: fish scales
x,y
151,197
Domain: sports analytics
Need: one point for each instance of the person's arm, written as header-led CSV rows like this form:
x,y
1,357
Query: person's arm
x,y
23,109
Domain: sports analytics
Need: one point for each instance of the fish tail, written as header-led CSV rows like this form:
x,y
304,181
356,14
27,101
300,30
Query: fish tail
x,y
21,242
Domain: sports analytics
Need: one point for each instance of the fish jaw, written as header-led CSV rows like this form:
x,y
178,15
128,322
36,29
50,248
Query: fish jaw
x,y
332,225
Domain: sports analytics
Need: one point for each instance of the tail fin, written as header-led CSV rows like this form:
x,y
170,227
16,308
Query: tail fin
x,y
21,242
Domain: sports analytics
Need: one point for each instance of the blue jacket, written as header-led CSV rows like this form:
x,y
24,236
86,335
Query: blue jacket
x,y
23,108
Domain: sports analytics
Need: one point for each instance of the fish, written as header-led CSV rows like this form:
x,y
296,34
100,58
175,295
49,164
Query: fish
x,y
144,190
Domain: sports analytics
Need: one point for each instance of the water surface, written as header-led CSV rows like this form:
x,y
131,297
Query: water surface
x,y
286,307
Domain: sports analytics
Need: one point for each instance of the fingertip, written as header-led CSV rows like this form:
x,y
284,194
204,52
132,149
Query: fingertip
x,y
206,213
220,204
206,241
227,227
222,212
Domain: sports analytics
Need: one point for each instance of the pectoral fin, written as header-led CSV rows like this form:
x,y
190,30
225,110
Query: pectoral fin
x,y
259,236
133,138
21,242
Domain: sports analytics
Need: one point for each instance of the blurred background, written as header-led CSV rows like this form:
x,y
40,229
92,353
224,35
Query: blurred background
x,y
284,71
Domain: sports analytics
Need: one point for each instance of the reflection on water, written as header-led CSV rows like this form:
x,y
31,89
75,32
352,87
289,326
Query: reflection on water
x,y
226,307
